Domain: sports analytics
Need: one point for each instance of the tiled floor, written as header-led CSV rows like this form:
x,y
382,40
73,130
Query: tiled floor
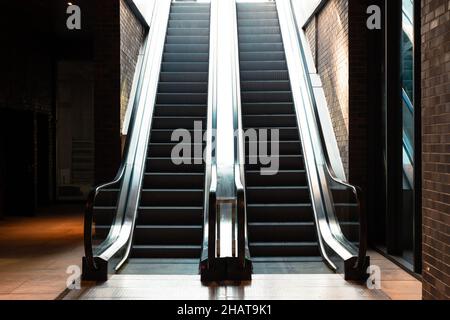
x,y
36,252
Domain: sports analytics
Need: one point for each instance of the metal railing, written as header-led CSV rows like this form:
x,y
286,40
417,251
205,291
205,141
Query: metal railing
x,y
323,182
243,251
128,181
209,246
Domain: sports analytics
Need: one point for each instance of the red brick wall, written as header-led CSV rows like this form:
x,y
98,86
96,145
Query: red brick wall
x,y
436,148
131,38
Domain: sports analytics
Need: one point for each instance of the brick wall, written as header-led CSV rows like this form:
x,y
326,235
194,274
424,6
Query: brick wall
x,y
131,38
436,148
328,37
337,35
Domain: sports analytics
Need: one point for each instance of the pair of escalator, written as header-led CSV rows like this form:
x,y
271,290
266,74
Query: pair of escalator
x,y
170,211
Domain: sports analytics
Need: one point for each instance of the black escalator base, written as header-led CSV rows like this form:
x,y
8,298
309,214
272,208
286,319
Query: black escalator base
x,y
170,217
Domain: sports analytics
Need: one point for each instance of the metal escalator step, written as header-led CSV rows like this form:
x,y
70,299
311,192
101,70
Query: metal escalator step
x,y
262,56
278,194
267,14
155,164
266,96
261,47
284,249
182,87
181,251
260,38
183,76
170,215
187,39
282,232
259,30
257,108
154,180
285,162
168,234
282,147
282,177
249,86
286,133
190,9
180,197
263,65
265,120
189,24
274,75
290,212
164,135
187,123
175,16
258,23
182,110
185,57
184,67
166,149
186,48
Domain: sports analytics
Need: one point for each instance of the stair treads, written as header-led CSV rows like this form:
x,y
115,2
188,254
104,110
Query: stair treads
x,y
185,39
258,75
183,76
189,24
182,87
170,217
183,57
186,48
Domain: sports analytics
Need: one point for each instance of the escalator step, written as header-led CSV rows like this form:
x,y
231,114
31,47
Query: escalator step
x,y
290,194
282,232
281,178
168,165
186,48
292,212
184,67
168,234
170,215
164,135
154,252
286,162
183,76
284,249
179,197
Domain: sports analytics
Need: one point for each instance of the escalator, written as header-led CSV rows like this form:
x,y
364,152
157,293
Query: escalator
x,y
224,216
279,210
303,211
153,209
170,214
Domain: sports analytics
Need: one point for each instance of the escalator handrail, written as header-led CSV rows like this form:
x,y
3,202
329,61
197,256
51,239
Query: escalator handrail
x,y
357,192
210,197
239,154
90,204
133,133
